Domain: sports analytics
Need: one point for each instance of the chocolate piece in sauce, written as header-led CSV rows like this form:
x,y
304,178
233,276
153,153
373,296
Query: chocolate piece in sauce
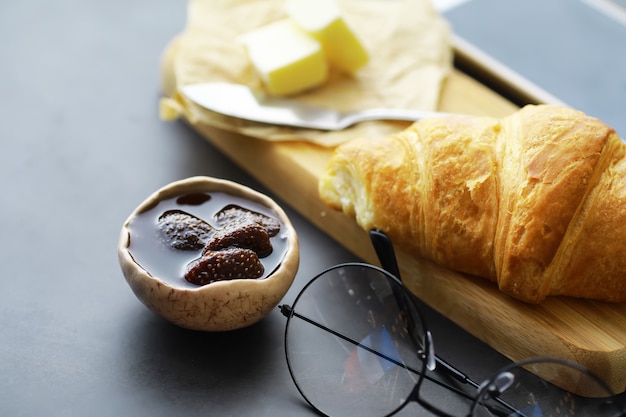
x,y
226,264
183,231
241,234
233,213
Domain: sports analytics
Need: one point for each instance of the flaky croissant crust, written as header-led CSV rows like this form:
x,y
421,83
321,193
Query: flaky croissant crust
x,y
535,201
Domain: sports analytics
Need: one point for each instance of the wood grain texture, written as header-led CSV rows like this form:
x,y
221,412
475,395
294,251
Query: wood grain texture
x,y
591,333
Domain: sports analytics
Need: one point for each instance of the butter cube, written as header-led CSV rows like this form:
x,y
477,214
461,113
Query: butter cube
x,y
323,20
287,59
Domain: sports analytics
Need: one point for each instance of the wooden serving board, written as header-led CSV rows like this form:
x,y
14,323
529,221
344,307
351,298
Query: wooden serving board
x,y
591,333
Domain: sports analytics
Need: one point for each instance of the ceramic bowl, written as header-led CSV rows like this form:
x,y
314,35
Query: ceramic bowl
x,y
221,305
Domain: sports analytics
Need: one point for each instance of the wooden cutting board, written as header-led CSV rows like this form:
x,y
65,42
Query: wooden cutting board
x,y
591,333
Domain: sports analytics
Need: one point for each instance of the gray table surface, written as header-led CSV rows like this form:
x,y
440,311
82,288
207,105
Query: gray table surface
x,y
573,49
81,146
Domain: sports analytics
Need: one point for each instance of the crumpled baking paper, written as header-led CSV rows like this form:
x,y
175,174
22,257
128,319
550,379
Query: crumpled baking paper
x,y
410,56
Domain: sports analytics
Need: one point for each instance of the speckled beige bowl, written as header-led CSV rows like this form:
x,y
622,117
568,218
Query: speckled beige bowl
x,y
219,306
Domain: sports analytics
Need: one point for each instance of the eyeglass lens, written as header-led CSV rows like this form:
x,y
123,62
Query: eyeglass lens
x,y
363,357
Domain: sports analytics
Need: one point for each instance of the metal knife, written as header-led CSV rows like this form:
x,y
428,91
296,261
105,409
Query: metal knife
x,y
239,101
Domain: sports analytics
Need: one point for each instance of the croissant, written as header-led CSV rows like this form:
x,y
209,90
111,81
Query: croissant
x,y
535,201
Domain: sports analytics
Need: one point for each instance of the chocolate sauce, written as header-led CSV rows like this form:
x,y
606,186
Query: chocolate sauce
x,y
160,259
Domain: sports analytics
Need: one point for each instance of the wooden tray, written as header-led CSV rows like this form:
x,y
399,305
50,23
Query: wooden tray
x,y
591,333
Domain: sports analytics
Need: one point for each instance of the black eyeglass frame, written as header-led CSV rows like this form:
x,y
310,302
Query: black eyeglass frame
x,y
425,354
386,254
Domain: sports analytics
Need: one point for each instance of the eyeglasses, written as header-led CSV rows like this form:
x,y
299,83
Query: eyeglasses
x,y
357,345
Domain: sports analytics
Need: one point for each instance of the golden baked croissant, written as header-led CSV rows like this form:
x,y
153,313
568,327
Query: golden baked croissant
x,y
535,201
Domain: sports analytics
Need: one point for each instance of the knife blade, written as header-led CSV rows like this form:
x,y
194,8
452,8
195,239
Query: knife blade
x,y
236,100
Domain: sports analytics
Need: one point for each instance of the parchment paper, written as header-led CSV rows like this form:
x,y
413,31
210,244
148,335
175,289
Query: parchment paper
x,y
410,56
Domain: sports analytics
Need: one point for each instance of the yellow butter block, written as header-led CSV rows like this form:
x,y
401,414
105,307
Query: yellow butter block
x,y
287,59
323,20
170,109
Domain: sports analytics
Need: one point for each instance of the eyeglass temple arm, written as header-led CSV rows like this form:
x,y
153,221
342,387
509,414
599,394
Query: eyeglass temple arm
x,y
384,250
387,257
